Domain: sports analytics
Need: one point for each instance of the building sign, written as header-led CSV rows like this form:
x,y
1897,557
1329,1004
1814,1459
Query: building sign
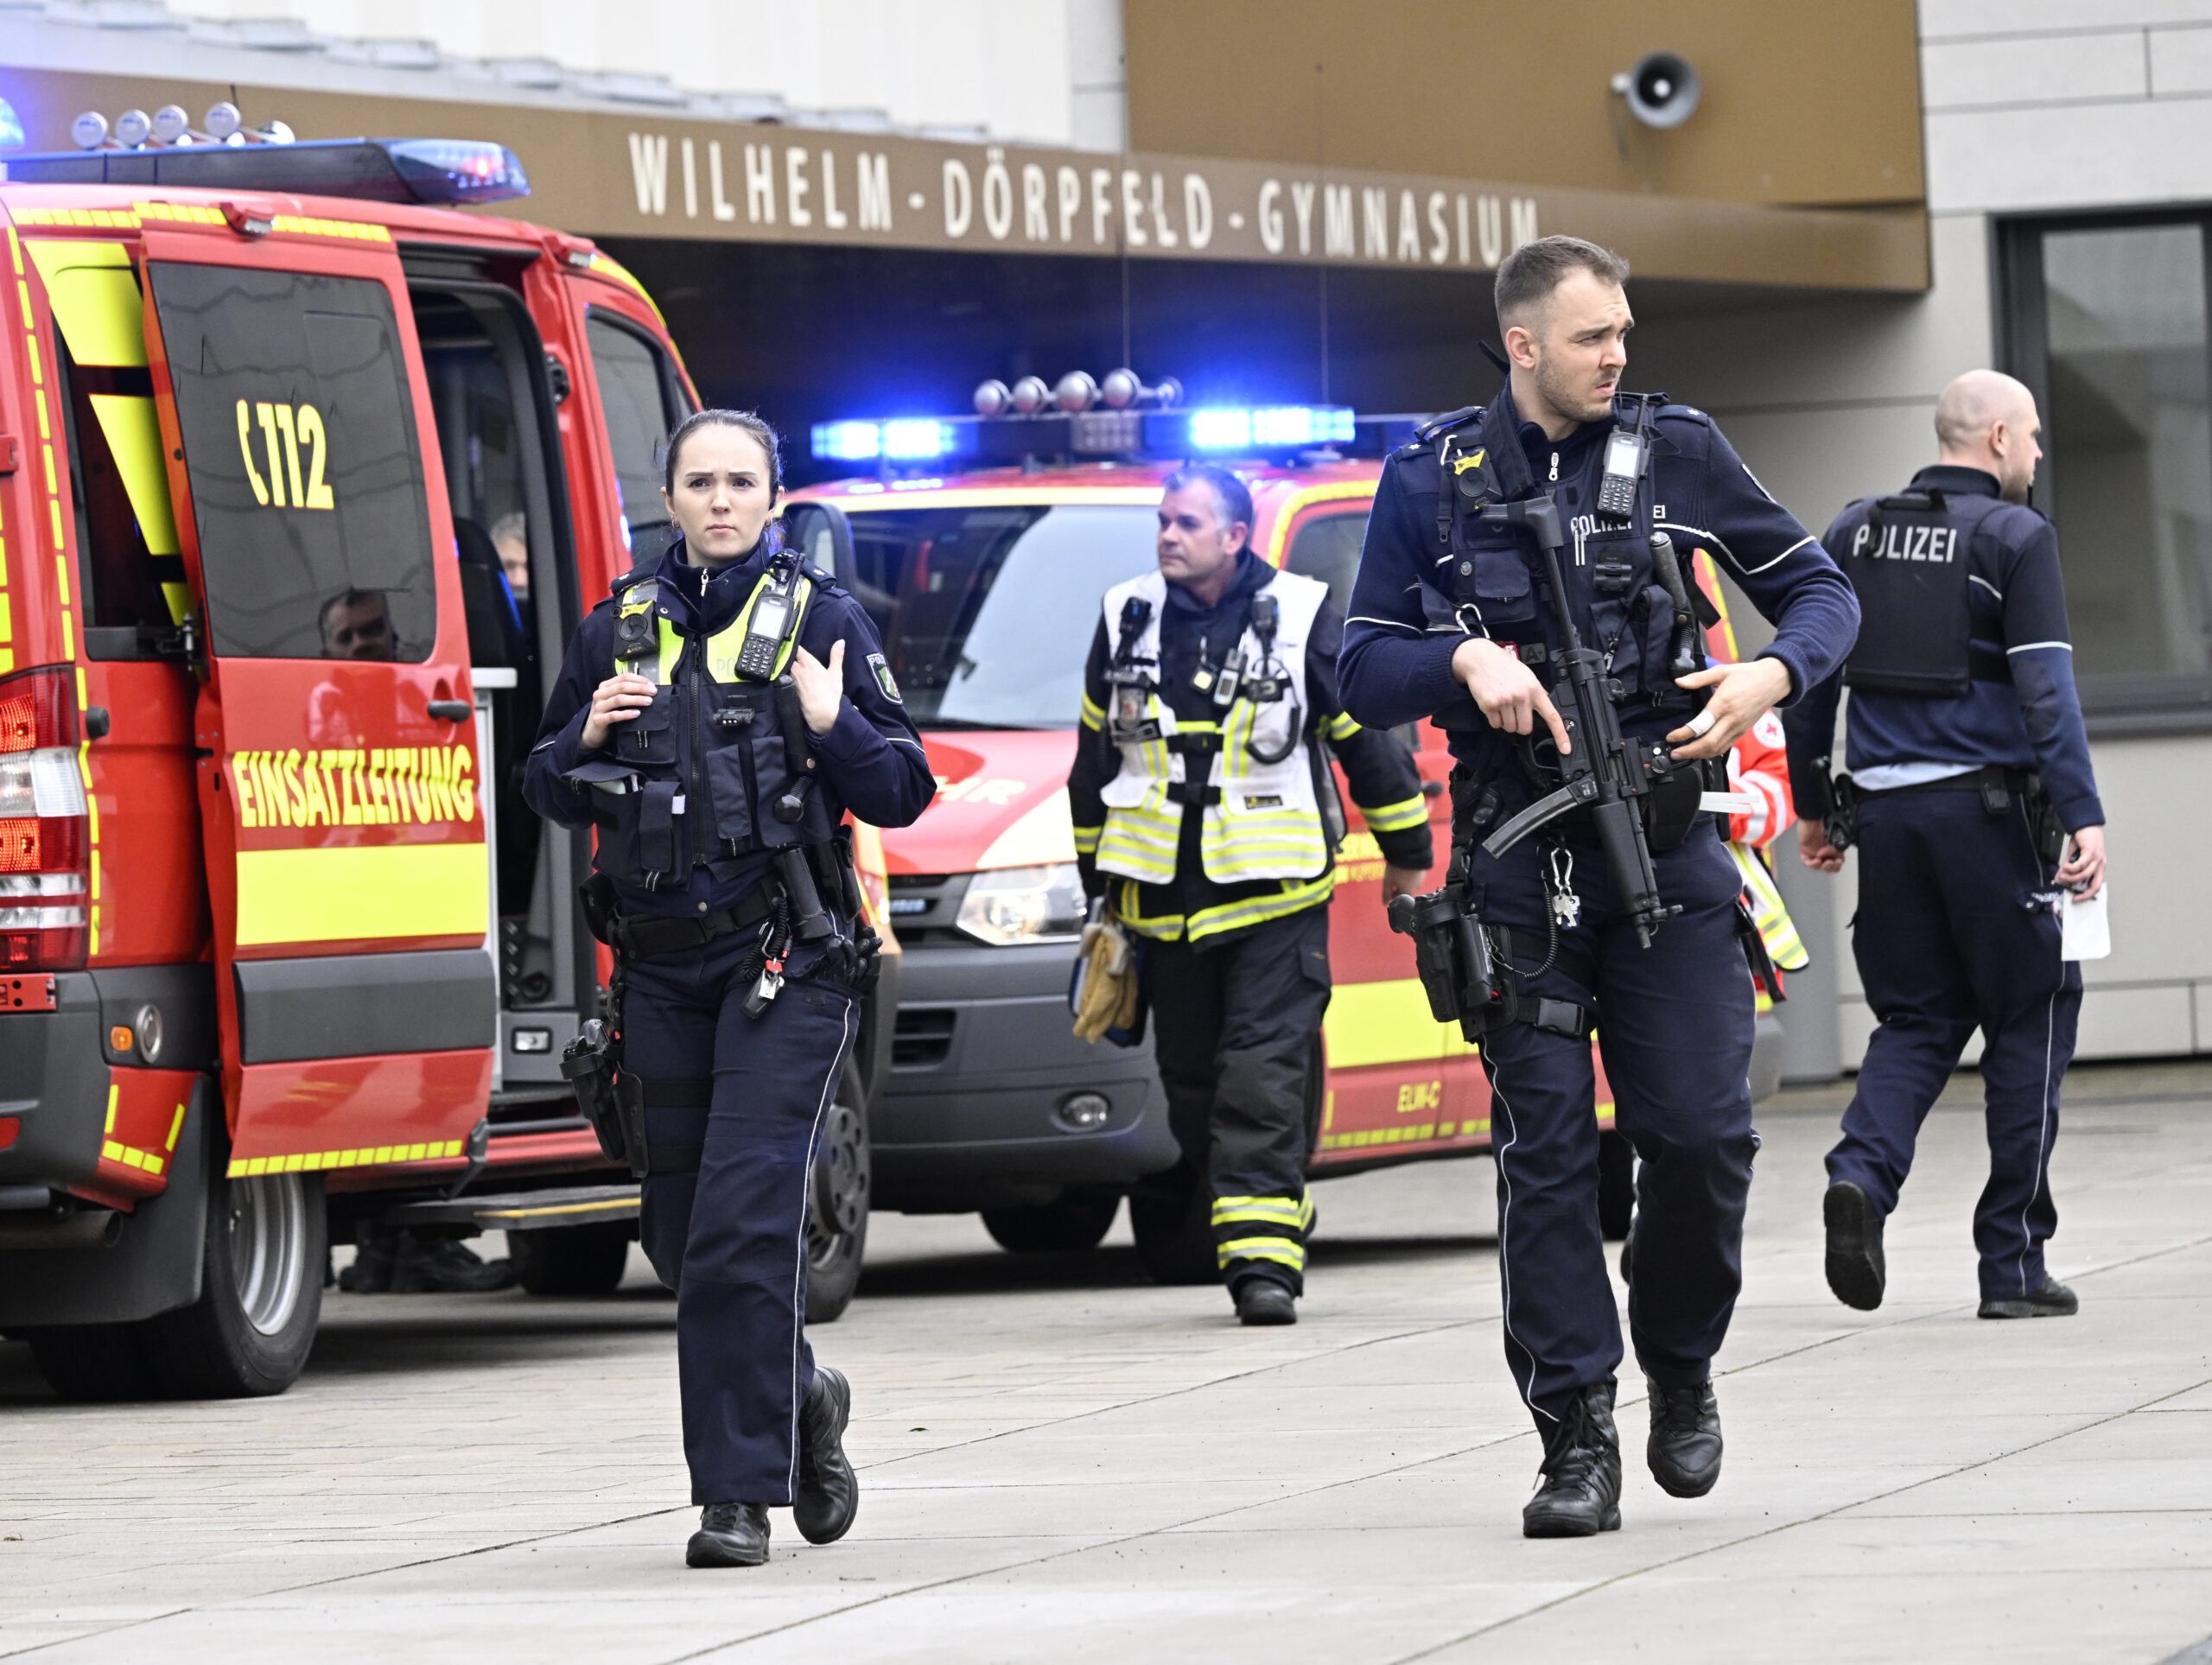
x,y
622,175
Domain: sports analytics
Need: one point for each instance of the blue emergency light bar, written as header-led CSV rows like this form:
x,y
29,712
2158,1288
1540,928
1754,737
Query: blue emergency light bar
x,y
433,172
1248,430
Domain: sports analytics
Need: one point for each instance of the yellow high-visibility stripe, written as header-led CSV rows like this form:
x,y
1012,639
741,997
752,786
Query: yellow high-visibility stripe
x,y
1341,726
1288,1251
1259,1210
1233,916
134,436
1396,817
362,892
1086,840
1094,715
1777,929
366,1156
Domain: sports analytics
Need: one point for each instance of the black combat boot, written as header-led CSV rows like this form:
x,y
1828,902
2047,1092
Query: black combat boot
x,y
829,1494
376,1252
2052,1299
1261,1301
1579,1494
1857,1271
729,1535
445,1265
1685,1448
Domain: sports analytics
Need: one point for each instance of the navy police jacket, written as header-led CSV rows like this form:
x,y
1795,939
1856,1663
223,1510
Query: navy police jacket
x,y
2019,709
1417,597
871,761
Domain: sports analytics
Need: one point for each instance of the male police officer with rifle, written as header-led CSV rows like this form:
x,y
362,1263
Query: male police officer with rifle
x,y
1526,581
1970,772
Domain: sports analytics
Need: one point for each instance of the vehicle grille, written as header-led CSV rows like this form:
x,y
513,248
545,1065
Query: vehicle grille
x,y
924,906
923,1037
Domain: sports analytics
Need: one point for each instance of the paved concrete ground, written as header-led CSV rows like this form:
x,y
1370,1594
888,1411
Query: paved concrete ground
x,y
1061,1462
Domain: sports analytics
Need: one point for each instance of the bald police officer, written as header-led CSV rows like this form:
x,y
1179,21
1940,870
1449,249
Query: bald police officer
x,y
1975,805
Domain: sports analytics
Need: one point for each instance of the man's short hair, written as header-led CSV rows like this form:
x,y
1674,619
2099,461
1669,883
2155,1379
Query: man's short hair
x,y
1526,277
1232,499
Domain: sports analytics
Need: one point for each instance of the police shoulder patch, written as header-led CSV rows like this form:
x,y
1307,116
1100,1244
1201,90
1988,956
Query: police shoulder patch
x,y
881,668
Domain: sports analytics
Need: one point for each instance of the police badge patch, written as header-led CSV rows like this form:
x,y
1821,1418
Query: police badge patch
x,y
884,679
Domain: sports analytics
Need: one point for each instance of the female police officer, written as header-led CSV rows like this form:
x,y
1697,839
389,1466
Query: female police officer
x,y
716,717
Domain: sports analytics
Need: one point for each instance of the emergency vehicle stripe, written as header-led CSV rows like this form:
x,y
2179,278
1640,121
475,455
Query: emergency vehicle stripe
x,y
362,892
246,1167
1386,1022
113,1150
95,299
1396,817
1278,534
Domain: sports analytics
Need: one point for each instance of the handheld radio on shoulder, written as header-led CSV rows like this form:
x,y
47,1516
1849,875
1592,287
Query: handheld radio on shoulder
x,y
771,623
1628,453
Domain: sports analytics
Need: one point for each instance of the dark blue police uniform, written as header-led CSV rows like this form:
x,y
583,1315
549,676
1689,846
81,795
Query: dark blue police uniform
x,y
1673,1020
733,1104
1963,699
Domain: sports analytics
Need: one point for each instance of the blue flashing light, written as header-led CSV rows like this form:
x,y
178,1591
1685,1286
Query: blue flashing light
x,y
11,127
847,442
458,170
916,439
1270,427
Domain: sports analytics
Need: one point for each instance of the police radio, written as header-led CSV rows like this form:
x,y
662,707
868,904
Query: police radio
x,y
1628,454
773,610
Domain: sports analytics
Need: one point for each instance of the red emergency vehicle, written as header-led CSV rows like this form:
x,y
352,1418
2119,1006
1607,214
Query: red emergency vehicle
x,y
983,546
305,478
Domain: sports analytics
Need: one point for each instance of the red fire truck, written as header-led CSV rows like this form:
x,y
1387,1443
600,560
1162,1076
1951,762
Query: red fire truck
x,y
305,477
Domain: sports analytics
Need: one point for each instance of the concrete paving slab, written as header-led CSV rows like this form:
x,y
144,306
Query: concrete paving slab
x,y
1060,1461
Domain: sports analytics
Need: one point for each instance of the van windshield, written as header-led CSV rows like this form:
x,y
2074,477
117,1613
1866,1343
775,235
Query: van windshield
x,y
986,613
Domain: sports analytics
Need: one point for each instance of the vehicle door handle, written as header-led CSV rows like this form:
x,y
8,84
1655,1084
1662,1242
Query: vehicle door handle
x,y
452,710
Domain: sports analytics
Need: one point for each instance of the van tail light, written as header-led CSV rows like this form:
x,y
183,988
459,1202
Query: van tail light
x,y
45,827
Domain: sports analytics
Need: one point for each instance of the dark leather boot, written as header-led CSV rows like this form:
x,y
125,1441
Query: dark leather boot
x,y
1263,1301
374,1257
2053,1299
729,1535
444,1265
1685,1449
1857,1272
829,1494
1580,1493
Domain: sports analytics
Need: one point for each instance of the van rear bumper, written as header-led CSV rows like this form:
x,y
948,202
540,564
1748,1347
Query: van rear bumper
x,y
53,1065
973,1112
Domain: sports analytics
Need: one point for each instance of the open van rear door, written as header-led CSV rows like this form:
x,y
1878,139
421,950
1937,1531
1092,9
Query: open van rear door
x,y
339,784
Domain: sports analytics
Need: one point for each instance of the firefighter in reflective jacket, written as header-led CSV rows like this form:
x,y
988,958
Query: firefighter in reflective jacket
x,y
714,719
1205,811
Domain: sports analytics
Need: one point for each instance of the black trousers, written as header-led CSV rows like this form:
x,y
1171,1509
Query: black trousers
x,y
1674,1025
1234,1021
1955,932
731,1238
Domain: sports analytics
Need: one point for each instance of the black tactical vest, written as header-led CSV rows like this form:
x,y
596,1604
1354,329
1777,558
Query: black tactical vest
x,y
1906,557
719,770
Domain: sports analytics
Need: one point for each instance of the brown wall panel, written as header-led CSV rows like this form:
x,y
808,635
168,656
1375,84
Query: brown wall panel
x,y
1804,102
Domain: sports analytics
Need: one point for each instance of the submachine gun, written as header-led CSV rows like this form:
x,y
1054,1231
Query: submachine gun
x,y
1601,772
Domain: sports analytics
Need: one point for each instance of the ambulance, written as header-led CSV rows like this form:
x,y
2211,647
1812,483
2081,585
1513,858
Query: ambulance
x,y
982,546
306,476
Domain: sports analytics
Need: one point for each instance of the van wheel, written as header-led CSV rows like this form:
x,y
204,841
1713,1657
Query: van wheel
x,y
1172,1217
260,1295
1075,1223
837,1204
572,1260
93,1363
1616,1184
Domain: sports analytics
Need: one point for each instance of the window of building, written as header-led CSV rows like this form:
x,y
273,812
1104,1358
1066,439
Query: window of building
x,y
2107,322
640,400
307,476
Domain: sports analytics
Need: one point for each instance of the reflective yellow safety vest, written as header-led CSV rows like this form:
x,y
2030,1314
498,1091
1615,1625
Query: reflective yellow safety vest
x,y
1783,946
1260,820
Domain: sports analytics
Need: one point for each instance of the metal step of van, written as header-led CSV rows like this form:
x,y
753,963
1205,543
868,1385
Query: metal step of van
x,y
524,1211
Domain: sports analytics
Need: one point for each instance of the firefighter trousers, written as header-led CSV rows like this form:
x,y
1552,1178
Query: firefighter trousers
x,y
1674,1027
750,1095
1235,1020
1954,932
